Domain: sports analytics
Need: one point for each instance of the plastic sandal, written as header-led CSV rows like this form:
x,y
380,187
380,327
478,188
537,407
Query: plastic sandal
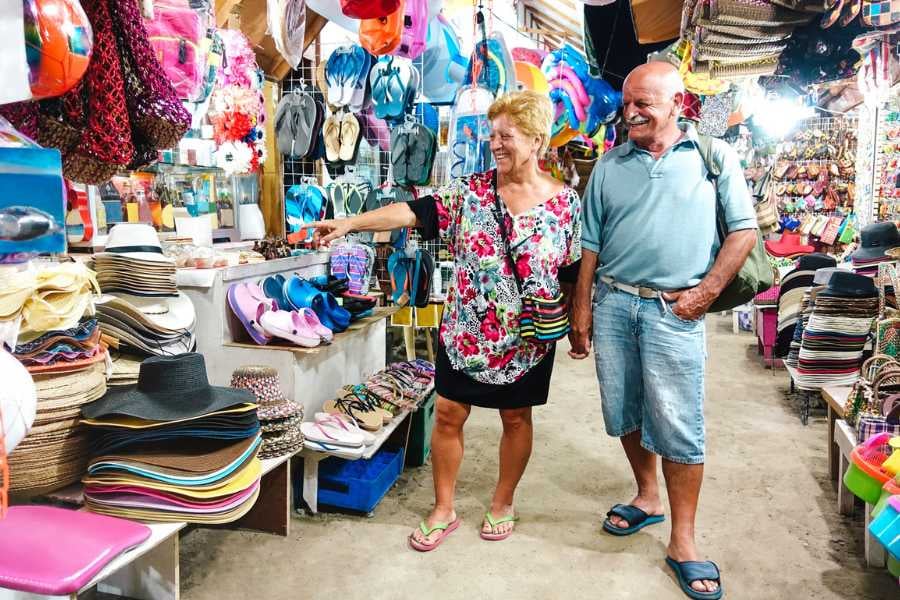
x,y
637,519
249,312
445,529
689,571
496,537
289,326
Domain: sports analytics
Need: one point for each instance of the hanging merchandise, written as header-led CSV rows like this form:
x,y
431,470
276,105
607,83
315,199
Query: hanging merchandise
x,y
59,41
470,131
295,124
583,103
816,55
342,135
123,111
880,13
415,29
331,10
178,33
382,35
531,78
413,148
491,65
237,109
287,26
345,73
714,114
395,82
304,203
443,64
369,9
534,56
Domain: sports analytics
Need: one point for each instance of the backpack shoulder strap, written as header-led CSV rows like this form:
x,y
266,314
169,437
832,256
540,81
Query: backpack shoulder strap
x,y
705,145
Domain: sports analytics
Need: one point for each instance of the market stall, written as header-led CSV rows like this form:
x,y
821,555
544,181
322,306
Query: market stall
x,y
176,153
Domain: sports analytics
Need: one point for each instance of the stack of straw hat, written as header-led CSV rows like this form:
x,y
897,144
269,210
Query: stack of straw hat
x,y
279,418
47,310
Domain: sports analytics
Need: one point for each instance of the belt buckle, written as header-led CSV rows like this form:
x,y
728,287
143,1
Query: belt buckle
x,y
649,293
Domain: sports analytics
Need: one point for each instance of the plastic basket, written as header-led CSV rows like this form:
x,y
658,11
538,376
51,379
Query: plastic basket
x,y
886,527
420,435
865,477
891,488
359,485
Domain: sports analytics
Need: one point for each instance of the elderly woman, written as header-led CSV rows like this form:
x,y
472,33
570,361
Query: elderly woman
x,y
515,216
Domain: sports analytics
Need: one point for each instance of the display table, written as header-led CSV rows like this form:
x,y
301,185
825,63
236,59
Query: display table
x,y
835,398
395,434
845,439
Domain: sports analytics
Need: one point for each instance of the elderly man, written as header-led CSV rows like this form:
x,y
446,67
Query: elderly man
x,y
650,245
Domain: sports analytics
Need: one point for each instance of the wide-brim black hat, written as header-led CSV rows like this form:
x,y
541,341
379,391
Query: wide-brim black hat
x,y
876,239
845,284
815,261
823,276
169,388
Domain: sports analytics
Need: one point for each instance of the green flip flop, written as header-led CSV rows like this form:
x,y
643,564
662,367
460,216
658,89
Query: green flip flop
x,y
445,529
496,537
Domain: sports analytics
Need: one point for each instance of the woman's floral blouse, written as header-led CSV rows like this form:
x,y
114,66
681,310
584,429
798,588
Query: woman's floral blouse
x,y
480,330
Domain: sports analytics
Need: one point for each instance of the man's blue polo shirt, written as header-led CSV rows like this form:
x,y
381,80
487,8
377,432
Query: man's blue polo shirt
x,y
653,222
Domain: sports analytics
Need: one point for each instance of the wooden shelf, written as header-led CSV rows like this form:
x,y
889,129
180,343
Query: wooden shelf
x,y
379,314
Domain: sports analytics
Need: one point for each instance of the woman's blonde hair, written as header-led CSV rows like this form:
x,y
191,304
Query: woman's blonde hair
x,y
530,112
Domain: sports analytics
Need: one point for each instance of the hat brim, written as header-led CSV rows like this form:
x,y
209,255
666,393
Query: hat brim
x,y
166,406
175,313
870,253
152,257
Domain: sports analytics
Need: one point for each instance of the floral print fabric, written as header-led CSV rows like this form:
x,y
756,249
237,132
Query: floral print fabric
x,y
480,329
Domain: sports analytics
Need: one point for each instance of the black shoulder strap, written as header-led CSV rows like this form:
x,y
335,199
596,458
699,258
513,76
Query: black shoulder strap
x,y
501,223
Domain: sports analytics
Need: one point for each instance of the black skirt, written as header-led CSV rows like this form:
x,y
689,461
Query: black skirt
x,y
531,389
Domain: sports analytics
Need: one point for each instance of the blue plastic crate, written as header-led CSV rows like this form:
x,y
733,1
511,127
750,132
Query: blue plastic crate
x,y
359,484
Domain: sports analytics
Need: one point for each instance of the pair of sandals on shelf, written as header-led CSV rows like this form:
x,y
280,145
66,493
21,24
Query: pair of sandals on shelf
x,y
289,309
336,434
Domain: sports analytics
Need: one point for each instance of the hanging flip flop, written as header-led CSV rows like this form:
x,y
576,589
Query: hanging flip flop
x,y
349,137
332,132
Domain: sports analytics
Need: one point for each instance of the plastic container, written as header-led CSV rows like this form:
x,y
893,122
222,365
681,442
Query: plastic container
x,y
893,566
359,485
891,488
420,435
886,528
865,477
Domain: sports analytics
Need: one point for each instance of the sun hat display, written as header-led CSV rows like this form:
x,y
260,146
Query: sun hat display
x,y
875,240
162,326
51,297
55,452
279,417
844,284
788,245
136,241
55,552
169,388
822,276
815,261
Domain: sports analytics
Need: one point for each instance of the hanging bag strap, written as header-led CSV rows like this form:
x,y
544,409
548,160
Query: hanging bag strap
x,y
504,235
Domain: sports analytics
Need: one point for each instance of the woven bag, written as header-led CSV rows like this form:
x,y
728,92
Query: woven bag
x,y
157,115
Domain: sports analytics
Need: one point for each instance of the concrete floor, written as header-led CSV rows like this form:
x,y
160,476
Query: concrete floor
x,y
767,513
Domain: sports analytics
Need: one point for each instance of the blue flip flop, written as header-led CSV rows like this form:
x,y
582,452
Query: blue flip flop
x,y
302,294
690,571
637,519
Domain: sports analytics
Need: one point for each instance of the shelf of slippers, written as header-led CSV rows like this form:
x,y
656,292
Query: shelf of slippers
x,y
356,328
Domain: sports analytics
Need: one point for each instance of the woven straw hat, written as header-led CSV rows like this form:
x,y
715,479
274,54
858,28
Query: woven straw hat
x,y
264,384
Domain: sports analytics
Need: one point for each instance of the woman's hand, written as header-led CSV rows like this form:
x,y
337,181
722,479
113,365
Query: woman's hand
x,y
581,332
329,230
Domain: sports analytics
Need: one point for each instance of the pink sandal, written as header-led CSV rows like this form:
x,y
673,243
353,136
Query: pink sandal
x,y
445,529
490,520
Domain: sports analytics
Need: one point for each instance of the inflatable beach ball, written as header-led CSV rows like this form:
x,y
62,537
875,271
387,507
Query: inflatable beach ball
x,y
58,44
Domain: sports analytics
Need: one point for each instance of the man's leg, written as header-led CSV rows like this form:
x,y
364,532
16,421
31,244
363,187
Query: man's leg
x,y
643,465
446,457
515,450
618,362
683,483
674,353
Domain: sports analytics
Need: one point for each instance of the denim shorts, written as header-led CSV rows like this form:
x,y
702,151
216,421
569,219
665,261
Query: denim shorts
x,y
650,364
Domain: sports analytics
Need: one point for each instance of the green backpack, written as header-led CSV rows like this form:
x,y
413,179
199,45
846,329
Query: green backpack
x,y
756,275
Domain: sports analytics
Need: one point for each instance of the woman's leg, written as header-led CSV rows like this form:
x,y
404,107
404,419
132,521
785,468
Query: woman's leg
x,y
446,456
515,450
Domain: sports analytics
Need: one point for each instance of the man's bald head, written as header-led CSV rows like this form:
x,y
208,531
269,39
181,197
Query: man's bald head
x,y
657,75
652,97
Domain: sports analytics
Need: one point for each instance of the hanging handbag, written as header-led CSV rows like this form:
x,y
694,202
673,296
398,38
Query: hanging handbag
x,y
541,320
